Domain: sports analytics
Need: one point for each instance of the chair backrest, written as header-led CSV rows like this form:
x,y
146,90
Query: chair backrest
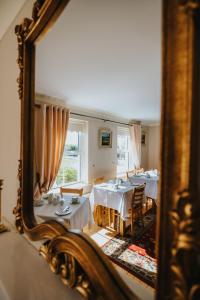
x,y
99,180
134,172
140,170
138,195
130,173
78,191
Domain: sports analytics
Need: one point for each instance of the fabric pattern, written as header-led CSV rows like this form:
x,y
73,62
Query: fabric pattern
x,y
139,260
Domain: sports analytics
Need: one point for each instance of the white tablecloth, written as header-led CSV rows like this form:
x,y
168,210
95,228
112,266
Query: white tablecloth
x,y
151,188
106,195
79,217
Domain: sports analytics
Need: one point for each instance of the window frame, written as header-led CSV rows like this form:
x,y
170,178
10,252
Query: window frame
x,y
74,126
125,132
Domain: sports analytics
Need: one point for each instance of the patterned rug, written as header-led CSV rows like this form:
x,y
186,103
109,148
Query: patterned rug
x,y
136,254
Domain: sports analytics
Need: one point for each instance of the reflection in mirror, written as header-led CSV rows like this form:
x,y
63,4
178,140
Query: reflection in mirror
x,y
97,127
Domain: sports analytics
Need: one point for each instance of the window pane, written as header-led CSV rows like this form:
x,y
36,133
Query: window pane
x,y
69,171
123,141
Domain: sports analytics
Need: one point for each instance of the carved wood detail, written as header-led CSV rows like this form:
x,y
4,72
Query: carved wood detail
x,y
185,248
36,9
17,211
21,32
189,5
180,204
184,216
61,262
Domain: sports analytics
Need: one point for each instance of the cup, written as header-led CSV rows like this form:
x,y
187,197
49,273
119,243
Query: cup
x,y
56,199
116,186
120,180
74,200
50,198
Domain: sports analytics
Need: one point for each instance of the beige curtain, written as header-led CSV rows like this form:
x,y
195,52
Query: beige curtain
x,y
51,123
135,133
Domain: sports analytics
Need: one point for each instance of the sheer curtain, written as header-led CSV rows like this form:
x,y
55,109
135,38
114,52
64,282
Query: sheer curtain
x,y
51,123
135,134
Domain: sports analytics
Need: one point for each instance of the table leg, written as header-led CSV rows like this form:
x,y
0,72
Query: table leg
x,y
122,227
97,215
109,217
100,215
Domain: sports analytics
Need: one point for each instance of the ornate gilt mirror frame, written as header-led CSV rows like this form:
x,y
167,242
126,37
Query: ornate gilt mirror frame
x,y
81,264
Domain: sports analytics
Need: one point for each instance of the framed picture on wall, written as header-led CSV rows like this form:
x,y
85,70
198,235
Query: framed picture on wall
x,y
105,138
143,139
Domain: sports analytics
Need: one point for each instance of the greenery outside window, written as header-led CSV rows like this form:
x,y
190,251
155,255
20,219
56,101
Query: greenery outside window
x,y
70,171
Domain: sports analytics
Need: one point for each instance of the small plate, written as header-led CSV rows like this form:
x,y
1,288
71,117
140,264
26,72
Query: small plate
x,y
63,213
139,175
39,202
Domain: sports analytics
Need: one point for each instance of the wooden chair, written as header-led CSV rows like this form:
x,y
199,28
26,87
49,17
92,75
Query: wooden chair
x,y
130,173
137,205
78,191
99,180
139,170
99,210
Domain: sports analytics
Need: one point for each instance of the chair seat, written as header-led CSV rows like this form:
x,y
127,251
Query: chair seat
x,y
137,205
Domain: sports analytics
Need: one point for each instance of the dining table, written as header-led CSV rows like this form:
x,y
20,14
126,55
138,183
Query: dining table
x,y
79,215
151,179
116,198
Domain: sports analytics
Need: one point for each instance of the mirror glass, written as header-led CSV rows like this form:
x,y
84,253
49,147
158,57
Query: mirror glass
x,y
97,127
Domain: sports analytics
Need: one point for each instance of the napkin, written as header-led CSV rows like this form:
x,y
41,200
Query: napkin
x,y
138,249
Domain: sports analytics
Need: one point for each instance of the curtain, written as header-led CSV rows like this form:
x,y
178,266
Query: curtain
x,y
135,133
51,123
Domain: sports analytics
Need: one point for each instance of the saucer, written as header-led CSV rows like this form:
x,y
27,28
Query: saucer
x,y
63,213
39,202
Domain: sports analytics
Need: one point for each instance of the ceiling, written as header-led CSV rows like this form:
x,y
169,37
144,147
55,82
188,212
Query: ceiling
x,y
105,56
8,11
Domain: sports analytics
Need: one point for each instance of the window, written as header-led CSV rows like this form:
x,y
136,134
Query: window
x,y
71,170
123,150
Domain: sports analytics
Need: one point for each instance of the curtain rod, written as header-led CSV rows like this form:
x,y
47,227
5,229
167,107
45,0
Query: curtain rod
x,y
102,119
97,118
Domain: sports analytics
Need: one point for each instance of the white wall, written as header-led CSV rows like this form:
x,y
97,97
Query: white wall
x,y
102,161
10,114
8,11
150,151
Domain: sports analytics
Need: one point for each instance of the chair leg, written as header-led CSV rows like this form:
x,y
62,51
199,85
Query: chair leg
x,y
147,203
132,223
100,215
109,217
141,217
122,227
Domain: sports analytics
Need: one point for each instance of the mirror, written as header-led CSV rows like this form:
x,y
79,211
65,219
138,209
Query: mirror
x,y
90,126
86,69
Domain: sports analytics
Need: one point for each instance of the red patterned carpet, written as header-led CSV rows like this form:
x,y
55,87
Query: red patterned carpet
x,y
136,254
